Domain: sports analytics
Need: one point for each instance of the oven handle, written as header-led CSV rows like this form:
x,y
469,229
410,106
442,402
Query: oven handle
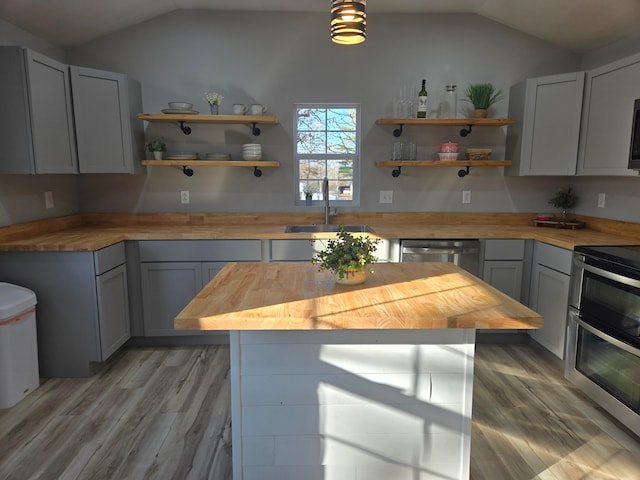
x,y
604,336
632,282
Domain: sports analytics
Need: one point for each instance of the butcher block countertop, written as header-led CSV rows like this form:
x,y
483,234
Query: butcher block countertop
x,y
90,232
296,296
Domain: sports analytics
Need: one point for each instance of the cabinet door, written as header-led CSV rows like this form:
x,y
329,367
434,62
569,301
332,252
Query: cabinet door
x,y
167,287
505,275
113,310
544,139
210,270
607,118
51,115
109,134
550,298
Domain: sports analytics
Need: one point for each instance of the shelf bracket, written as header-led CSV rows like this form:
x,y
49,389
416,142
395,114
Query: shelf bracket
x,y
396,172
187,171
255,130
398,131
257,172
185,129
466,131
464,172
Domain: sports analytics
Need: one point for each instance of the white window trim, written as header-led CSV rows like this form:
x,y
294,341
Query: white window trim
x,y
355,202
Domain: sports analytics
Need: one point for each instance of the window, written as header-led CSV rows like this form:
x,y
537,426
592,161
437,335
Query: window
x,y
327,144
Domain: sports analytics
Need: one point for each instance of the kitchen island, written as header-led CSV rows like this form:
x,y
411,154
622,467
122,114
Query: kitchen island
x,y
347,382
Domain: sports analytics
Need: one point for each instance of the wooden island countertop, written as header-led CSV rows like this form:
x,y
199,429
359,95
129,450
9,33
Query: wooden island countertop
x,y
296,296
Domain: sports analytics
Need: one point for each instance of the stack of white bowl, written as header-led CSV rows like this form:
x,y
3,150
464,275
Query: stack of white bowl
x,y
252,151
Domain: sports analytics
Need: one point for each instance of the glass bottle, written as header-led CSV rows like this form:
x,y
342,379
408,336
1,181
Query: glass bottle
x,y
449,107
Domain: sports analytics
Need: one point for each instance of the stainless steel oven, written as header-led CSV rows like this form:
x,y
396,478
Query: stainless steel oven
x,y
603,329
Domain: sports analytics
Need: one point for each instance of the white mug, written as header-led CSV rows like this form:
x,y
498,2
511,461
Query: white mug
x,y
257,109
239,109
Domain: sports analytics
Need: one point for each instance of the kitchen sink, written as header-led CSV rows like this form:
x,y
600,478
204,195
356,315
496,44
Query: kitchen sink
x,y
323,227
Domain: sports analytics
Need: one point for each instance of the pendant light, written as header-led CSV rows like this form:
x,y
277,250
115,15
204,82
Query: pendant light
x,y
348,21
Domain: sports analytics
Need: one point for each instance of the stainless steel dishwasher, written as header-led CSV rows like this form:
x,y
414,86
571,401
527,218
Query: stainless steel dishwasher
x,y
464,253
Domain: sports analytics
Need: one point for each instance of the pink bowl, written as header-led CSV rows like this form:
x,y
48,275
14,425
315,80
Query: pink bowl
x,y
449,147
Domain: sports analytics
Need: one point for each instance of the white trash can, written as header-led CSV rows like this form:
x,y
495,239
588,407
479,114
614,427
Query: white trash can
x,y
19,373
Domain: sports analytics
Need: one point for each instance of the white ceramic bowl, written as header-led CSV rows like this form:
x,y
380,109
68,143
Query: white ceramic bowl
x,y
251,157
448,155
180,105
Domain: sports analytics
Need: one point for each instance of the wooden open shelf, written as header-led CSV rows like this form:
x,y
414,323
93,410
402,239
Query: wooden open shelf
x,y
186,164
464,165
213,119
483,122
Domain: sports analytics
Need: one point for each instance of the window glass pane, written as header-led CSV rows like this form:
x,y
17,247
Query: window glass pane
x,y
341,142
341,119
310,142
313,119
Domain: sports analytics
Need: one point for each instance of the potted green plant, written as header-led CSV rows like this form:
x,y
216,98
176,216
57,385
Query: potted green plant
x,y
347,257
564,199
157,147
482,96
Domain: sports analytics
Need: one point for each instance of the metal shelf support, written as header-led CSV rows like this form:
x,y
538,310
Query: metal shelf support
x,y
398,131
466,131
464,172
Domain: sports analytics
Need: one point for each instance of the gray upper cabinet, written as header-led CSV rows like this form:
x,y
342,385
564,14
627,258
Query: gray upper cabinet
x,y
544,138
37,133
607,117
110,135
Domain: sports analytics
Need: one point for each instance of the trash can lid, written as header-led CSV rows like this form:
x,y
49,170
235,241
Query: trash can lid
x,y
14,300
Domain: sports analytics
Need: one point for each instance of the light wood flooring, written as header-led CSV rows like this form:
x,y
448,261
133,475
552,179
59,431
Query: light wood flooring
x,y
163,413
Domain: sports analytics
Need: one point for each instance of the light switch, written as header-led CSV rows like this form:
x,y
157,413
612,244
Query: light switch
x,y
601,200
184,196
466,196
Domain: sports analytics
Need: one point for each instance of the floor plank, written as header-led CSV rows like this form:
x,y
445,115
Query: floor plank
x,y
164,413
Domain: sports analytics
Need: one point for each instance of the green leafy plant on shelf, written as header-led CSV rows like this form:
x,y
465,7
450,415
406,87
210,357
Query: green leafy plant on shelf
x,y
156,146
564,199
347,253
482,95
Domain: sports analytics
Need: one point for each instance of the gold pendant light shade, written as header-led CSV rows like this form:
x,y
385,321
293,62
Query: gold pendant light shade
x,y
348,22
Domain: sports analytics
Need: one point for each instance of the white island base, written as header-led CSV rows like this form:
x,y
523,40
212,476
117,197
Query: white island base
x,y
352,404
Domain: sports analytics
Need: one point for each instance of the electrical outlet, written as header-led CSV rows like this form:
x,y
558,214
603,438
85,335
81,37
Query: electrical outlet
x,y
184,196
386,196
48,199
466,196
601,200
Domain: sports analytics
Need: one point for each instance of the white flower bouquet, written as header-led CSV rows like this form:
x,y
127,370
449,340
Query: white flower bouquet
x,y
213,98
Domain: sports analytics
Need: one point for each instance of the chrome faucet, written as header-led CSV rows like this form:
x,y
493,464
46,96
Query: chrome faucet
x,y
325,197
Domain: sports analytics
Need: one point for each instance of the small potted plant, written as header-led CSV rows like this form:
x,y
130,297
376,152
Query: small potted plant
x,y
347,257
482,96
308,191
564,199
214,100
157,147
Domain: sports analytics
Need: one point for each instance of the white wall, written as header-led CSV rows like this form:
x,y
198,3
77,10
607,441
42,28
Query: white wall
x,y
22,196
280,59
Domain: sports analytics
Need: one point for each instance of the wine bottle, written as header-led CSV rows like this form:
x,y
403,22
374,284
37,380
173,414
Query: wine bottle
x,y
422,101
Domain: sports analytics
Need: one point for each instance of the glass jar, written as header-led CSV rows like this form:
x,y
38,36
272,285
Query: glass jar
x,y
449,105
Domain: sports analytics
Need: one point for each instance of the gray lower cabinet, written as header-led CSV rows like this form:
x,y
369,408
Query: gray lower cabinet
x,y
610,92
550,295
174,271
82,314
110,135
37,136
544,139
503,266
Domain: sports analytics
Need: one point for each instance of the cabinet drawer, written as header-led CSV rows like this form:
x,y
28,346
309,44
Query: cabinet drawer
x,y
553,257
109,257
504,250
200,250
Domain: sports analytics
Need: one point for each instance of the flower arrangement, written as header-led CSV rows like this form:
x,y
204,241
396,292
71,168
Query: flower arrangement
x,y
347,254
213,98
156,146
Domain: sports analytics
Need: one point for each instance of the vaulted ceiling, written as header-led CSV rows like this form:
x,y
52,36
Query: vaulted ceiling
x,y
577,25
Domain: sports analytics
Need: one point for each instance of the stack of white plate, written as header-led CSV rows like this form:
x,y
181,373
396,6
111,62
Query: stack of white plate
x,y
218,156
252,151
183,156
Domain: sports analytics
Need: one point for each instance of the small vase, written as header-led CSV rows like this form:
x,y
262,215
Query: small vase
x,y
308,200
480,113
352,277
157,155
214,109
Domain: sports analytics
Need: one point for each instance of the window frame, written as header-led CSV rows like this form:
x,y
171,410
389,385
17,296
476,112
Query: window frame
x,y
355,194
